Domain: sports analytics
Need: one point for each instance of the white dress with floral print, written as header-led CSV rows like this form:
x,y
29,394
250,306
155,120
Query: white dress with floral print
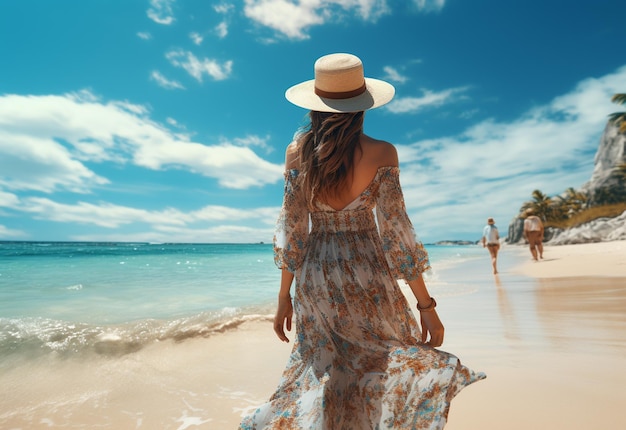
x,y
357,360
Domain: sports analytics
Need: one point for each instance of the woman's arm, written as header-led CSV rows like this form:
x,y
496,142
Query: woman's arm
x,y
284,311
429,320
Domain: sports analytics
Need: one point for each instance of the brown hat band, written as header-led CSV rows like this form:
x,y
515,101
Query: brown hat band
x,y
340,94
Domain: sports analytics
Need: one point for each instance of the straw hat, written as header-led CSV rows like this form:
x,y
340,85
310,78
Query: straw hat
x,y
340,86
490,221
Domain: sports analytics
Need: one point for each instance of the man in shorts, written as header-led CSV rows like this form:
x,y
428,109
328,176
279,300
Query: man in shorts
x,y
533,233
491,239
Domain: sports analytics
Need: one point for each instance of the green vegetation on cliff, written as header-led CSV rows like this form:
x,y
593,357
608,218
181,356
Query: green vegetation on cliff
x,y
576,207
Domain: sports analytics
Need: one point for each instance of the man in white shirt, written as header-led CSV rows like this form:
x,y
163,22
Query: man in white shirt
x,y
491,239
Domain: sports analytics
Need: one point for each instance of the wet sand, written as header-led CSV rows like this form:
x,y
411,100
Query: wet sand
x,y
551,337
556,335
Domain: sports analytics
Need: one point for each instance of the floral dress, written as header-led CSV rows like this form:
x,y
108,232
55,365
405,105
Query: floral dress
x,y
357,361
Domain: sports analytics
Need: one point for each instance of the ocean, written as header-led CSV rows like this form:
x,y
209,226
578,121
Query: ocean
x,y
67,296
69,305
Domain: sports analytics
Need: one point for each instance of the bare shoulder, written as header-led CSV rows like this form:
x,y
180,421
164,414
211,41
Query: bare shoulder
x,y
379,151
291,156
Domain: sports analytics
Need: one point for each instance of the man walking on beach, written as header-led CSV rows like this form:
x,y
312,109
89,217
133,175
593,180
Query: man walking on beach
x,y
533,233
491,239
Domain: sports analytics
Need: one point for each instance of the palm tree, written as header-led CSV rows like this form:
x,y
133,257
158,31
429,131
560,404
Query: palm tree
x,y
573,201
540,205
619,118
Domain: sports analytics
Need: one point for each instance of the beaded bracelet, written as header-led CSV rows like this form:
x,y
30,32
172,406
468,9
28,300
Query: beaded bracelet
x,y
430,307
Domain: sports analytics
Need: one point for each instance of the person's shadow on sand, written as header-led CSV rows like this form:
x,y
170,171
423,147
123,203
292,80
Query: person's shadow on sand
x,y
509,322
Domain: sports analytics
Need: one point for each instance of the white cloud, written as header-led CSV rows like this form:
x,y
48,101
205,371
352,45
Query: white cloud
x,y
210,223
469,113
452,184
213,234
283,16
35,159
57,143
114,216
393,75
223,8
197,68
429,99
254,141
103,215
144,35
163,82
174,123
8,199
430,5
222,29
45,142
196,38
8,233
293,18
216,224
161,11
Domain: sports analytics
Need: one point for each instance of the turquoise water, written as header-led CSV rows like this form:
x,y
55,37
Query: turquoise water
x,y
70,297
120,282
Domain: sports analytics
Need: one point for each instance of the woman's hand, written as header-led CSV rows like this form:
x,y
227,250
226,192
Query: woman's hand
x,y
284,312
431,325
429,320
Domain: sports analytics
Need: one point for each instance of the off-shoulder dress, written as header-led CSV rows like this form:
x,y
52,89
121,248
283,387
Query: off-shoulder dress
x,y
357,361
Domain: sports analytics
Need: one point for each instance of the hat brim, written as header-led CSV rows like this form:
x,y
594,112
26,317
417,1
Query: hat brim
x,y
377,93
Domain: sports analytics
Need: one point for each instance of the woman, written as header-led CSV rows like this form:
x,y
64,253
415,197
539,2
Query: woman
x,y
359,359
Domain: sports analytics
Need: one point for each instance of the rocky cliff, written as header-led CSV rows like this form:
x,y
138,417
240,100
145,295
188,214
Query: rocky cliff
x,y
598,230
611,153
603,185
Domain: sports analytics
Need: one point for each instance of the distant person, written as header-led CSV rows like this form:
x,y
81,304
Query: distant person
x,y
359,360
491,239
533,233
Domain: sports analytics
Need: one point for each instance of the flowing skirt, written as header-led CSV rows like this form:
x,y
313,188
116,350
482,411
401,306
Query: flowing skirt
x,y
357,360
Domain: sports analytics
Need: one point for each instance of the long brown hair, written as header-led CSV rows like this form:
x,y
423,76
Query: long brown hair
x,y
326,148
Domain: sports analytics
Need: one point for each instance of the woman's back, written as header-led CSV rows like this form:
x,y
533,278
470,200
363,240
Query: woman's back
x,y
369,156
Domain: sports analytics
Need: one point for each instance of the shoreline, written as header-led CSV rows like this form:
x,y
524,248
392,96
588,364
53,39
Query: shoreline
x,y
551,337
557,339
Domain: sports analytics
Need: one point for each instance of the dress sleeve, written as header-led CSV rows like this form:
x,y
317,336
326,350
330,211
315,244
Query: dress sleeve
x,y
405,253
292,226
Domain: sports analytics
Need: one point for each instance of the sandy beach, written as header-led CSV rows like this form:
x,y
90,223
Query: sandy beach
x,y
558,343
550,335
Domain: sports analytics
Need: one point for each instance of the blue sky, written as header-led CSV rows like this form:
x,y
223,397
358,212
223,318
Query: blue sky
x,y
165,120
